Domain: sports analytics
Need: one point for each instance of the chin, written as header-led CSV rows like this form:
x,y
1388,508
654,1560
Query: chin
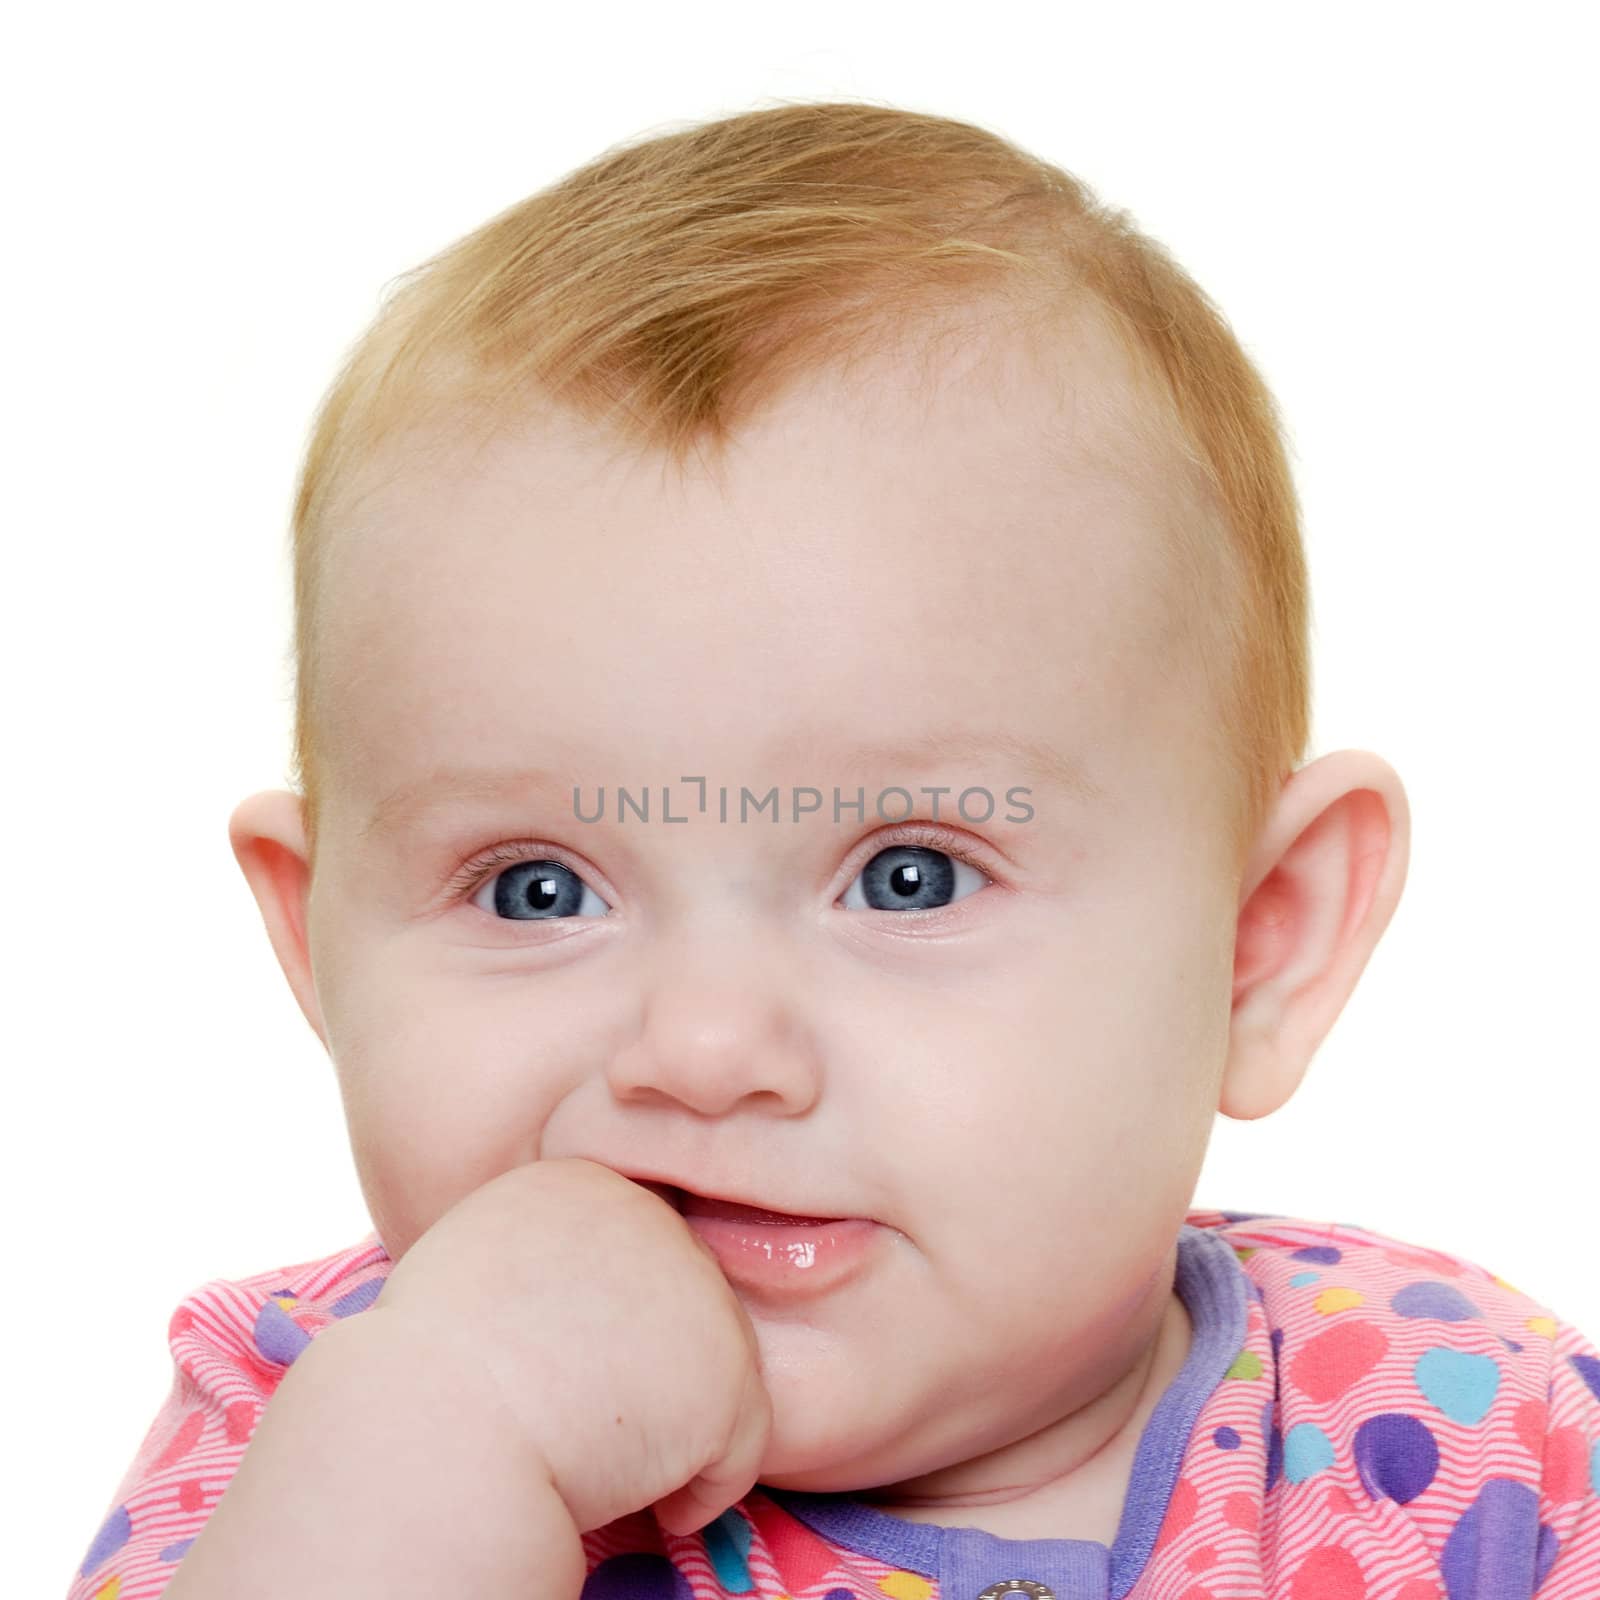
x,y
834,1412
826,1451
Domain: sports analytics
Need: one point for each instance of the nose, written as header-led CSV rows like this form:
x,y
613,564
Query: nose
x,y
714,1034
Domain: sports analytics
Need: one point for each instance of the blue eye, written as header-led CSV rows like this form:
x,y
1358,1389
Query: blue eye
x,y
908,877
914,874
541,890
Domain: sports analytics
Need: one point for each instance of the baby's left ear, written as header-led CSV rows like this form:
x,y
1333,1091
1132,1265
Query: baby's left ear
x,y
267,833
1320,887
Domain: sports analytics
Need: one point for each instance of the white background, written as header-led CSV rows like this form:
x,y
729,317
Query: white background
x,y
1390,203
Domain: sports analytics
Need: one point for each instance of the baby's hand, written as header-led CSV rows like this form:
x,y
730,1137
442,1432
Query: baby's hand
x,y
626,1360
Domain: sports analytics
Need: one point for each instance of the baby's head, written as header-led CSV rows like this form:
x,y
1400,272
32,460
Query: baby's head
x,y
849,454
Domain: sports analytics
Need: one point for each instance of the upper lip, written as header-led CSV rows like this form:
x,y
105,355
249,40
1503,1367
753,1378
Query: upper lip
x,y
721,1194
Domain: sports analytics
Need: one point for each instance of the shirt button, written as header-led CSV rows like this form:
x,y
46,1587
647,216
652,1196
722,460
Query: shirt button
x,y
1020,1586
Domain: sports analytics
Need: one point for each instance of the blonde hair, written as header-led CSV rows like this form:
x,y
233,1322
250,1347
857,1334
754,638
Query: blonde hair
x,y
672,285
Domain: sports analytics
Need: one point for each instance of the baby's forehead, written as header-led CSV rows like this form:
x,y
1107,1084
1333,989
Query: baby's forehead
x,y
910,520
930,524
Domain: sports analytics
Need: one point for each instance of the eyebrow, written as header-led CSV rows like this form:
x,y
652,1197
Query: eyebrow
x,y
1032,758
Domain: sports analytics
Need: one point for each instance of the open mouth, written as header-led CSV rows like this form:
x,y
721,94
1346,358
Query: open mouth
x,y
776,1258
689,1204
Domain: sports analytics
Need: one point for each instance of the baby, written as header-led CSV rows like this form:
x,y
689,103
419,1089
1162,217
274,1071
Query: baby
x,y
801,643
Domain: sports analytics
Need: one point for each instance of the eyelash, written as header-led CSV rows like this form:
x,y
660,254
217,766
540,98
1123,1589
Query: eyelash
x,y
930,835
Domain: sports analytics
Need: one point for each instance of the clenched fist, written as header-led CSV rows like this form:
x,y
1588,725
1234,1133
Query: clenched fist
x,y
620,1351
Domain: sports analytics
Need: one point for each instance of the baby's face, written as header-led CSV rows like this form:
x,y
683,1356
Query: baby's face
x,y
1009,1063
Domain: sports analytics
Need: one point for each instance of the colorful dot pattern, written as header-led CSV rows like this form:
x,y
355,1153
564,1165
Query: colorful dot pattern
x,y
1399,1424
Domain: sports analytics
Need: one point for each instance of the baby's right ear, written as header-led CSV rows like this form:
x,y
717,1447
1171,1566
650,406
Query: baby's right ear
x,y
267,832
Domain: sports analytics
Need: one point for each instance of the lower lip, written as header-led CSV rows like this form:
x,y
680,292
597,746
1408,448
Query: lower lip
x,y
787,1259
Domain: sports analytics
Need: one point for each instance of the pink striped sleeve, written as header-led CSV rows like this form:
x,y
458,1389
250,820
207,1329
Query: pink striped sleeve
x,y
231,1344
188,1455
1569,1482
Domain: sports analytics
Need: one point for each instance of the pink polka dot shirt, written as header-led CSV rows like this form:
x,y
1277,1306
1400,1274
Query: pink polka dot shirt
x,y
1358,1419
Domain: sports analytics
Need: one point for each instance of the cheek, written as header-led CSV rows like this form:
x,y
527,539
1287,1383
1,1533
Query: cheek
x,y
1065,1112
409,1175
439,1097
